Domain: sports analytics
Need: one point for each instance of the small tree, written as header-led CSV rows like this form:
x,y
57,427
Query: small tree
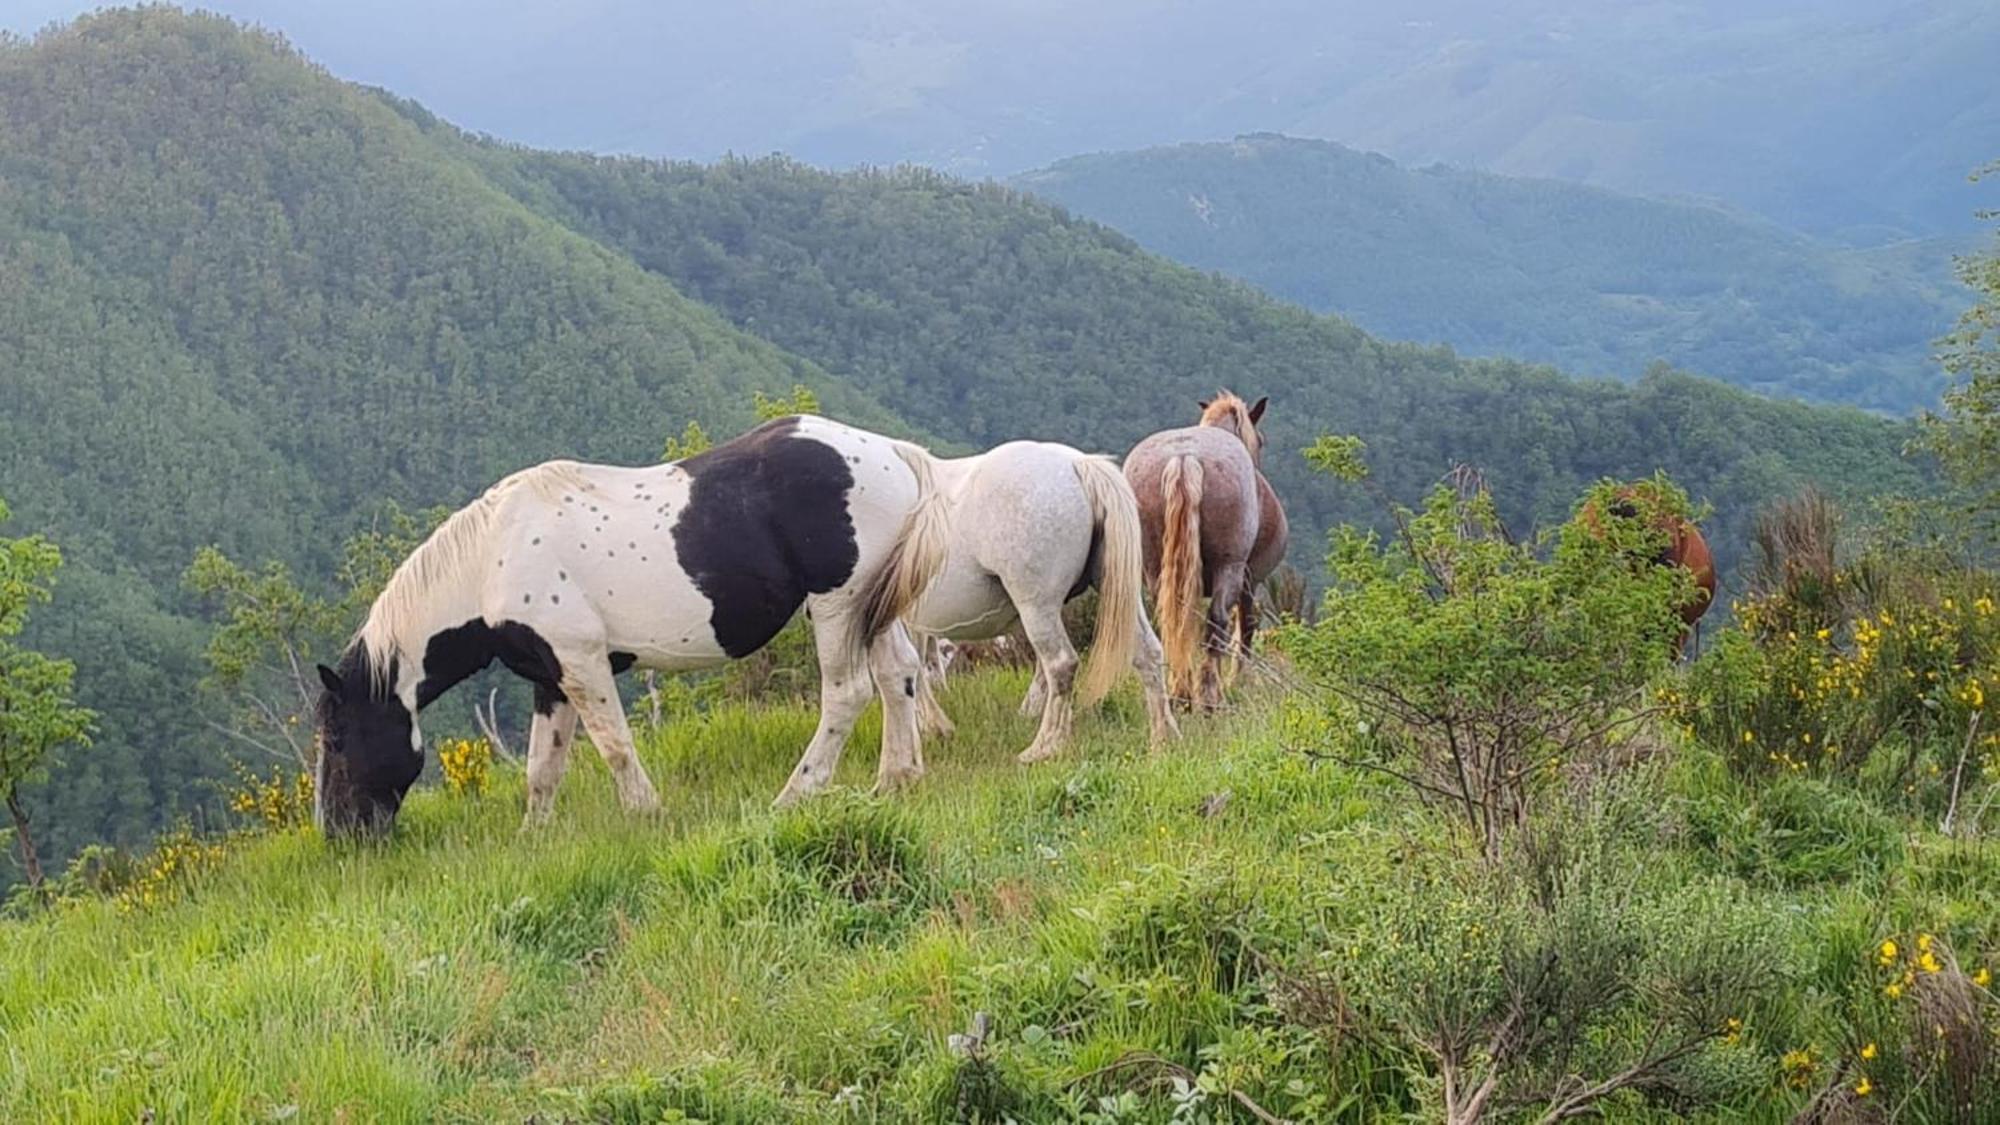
x,y
800,401
272,631
1966,437
37,715
1476,670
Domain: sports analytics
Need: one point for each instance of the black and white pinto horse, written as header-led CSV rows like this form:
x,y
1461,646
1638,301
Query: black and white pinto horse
x,y
569,573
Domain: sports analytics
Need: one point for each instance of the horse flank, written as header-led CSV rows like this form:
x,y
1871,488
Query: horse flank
x,y
1118,605
455,552
1179,594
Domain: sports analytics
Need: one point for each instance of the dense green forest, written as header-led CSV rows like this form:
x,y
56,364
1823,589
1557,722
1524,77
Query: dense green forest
x,y
245,304
984,314
1590,280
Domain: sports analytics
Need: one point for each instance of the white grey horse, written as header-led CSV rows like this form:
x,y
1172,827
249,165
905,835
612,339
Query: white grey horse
x,y
1033,524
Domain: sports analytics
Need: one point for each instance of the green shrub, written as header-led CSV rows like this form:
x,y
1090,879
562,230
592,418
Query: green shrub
x,y
1796,831
849,864
1580,970
1479,671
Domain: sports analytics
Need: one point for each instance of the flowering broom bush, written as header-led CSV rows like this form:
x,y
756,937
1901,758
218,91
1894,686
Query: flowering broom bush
x,y
1880,674
467,765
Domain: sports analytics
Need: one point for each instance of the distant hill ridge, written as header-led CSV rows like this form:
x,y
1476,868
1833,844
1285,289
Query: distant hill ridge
x,y
1591,280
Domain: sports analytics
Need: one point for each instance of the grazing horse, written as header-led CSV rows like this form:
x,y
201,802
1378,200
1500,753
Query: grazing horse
x,y
569,573
1213,527
1032,525
1685,548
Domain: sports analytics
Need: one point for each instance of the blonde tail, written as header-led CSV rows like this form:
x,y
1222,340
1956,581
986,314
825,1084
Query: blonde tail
x,y
1180,575
1121,573
917,557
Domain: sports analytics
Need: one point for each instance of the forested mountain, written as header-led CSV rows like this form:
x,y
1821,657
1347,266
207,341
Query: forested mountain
x,y
986,314
1859,118
244,303
1592,281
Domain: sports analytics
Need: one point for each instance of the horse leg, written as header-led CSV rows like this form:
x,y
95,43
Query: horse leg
x,y
932,719
588,685
1150,659
549,740
899,674
1246,630
1056,661
844,690
1035,702
1224,596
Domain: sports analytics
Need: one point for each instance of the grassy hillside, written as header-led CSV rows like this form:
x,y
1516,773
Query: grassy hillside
x,y
735,966
1594,282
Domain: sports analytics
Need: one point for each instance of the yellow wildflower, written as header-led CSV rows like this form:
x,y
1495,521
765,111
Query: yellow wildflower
x,y
1893,989
1886,953
1863,1087
1868,1051
1983,977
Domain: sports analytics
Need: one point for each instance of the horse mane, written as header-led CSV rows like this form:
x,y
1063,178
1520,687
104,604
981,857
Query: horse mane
x,y
1226,411
450,554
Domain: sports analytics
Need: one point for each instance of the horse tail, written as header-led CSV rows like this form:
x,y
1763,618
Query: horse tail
x,y
1179,596
1120,576
916,557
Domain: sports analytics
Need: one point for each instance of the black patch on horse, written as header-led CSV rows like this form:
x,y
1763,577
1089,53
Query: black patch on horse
x,y
456,653
366,764
766,523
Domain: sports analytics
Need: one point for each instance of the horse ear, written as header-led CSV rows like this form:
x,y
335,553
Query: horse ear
x,y
1257,411
330,680
1201,402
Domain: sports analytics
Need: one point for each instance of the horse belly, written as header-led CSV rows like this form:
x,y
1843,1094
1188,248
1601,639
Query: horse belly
x,y
965,603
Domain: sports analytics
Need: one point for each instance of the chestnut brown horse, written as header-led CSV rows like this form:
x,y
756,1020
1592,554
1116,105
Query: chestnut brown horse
x,y
1210,526
1685,548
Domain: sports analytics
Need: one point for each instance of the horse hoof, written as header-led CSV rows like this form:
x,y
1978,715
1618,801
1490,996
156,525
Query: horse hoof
x,y
1037,753
888,783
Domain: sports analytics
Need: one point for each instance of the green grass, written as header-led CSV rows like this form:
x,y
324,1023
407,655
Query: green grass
x,y
731,964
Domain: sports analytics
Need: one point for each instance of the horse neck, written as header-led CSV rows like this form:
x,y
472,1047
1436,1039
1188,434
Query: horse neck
x,y
403,634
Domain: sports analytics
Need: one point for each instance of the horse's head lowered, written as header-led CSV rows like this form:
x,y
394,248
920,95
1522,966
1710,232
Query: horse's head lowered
x,y
369,750
1226,411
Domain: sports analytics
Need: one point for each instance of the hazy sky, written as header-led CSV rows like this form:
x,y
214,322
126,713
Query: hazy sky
x,y
1856,116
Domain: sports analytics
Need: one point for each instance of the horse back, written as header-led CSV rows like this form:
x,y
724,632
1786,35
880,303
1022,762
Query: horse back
x,y
1231,508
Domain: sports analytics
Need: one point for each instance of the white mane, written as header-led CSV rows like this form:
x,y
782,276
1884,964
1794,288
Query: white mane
x,y
453,553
